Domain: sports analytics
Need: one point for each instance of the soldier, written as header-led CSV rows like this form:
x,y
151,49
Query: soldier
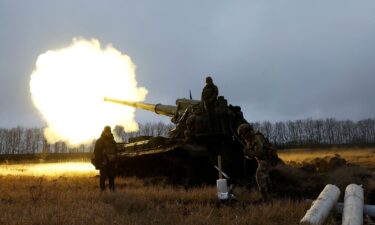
x,y
258,147
209,99
105,154
209,95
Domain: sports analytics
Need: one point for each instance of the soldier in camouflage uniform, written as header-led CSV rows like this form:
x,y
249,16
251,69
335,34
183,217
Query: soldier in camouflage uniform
x,y
209,94
209,100
258,147
105,155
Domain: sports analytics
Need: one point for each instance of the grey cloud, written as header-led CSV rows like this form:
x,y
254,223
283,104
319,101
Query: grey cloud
x,y
279,60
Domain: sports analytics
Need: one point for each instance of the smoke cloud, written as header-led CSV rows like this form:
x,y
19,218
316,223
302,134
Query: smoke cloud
x,y
68,86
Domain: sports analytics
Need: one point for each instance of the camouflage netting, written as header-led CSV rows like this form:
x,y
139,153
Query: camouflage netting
x,y
308,178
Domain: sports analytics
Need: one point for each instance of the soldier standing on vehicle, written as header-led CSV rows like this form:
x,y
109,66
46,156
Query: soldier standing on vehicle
x,y
258,147
105,154
209,100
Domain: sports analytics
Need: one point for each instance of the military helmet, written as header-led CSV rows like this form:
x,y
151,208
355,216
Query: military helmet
x,y
107,129
209,80
245,128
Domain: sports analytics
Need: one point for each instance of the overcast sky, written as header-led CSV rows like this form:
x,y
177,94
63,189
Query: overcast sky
x,y
278,60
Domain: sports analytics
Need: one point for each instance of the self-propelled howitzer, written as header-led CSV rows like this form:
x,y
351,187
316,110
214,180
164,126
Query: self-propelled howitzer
x,y
190,151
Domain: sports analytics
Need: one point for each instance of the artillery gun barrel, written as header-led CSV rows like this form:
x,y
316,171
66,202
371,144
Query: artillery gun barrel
x,y
167,110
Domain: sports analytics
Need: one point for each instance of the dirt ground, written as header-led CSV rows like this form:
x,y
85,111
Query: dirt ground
x,y
361,156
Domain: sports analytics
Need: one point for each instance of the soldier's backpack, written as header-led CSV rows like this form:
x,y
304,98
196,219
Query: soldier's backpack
x,y
271,150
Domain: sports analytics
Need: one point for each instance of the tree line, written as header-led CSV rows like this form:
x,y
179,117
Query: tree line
x,y
20,140
287,134
319,132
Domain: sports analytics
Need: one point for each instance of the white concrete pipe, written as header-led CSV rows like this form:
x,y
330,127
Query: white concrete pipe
x,y
321,207
222,189
353,205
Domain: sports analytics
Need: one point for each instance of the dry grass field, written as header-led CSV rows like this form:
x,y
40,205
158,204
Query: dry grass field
x,y
361,156
68,193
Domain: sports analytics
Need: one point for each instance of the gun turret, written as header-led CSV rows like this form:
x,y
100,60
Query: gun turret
x,y
167,110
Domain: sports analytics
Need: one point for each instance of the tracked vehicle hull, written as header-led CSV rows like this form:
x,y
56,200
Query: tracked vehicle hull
x,y
180,162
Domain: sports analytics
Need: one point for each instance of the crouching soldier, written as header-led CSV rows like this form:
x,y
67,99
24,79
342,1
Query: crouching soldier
x,y
258,147
105,157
